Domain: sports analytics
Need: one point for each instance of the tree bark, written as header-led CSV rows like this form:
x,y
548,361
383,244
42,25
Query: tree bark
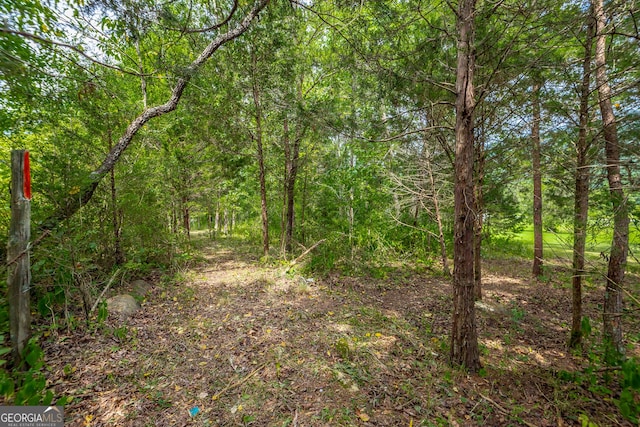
x,y
216,226
174,217
303,235
186,216
210,223
581,201
226,222
233,221
477,225
352,215
73,203
537,183
260,155
464,338
612,316
292,176
18,258
285,183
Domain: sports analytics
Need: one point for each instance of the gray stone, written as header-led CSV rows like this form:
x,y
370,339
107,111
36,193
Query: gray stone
x,y
140,288
492,309
123,305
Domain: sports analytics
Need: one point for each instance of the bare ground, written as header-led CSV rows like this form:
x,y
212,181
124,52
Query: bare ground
x,y
244,344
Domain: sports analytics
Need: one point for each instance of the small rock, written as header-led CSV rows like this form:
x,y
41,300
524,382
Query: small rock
x,y
140,288
491,309
123,305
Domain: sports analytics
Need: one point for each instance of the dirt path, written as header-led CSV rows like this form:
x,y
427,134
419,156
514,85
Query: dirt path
x,y
233,343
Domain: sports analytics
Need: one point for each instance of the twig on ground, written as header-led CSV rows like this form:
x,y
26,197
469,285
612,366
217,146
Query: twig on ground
x,y
106,288
238,383
303,254
504,411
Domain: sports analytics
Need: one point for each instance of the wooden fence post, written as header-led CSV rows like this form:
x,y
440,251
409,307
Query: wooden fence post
x,y
18,260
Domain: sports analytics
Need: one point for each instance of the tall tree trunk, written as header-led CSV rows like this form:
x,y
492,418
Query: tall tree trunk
x,y
285,183
115,212
581,202
352,164
479,210
303,235
233,221
174,218
464,336
186,217
612,316
292,175
261,170
537,183
216,223
210,223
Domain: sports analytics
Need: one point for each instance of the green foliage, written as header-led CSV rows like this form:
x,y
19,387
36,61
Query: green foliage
x,y
343,348
121,333
103,313
26,384
629,401
517,313
585,421
371,107
598,381
585,326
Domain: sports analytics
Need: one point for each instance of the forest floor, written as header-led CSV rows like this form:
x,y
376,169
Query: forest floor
x,y
232,342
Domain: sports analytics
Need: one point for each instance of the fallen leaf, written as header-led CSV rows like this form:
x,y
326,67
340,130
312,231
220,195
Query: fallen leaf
x,y
363,416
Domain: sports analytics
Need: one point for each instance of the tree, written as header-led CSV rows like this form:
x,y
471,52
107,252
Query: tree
x,y
258,136
478,190
464,338
537,182
581,196
612,315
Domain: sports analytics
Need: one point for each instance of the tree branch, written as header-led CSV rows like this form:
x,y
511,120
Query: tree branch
x,y
73,203
215,26
71,47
